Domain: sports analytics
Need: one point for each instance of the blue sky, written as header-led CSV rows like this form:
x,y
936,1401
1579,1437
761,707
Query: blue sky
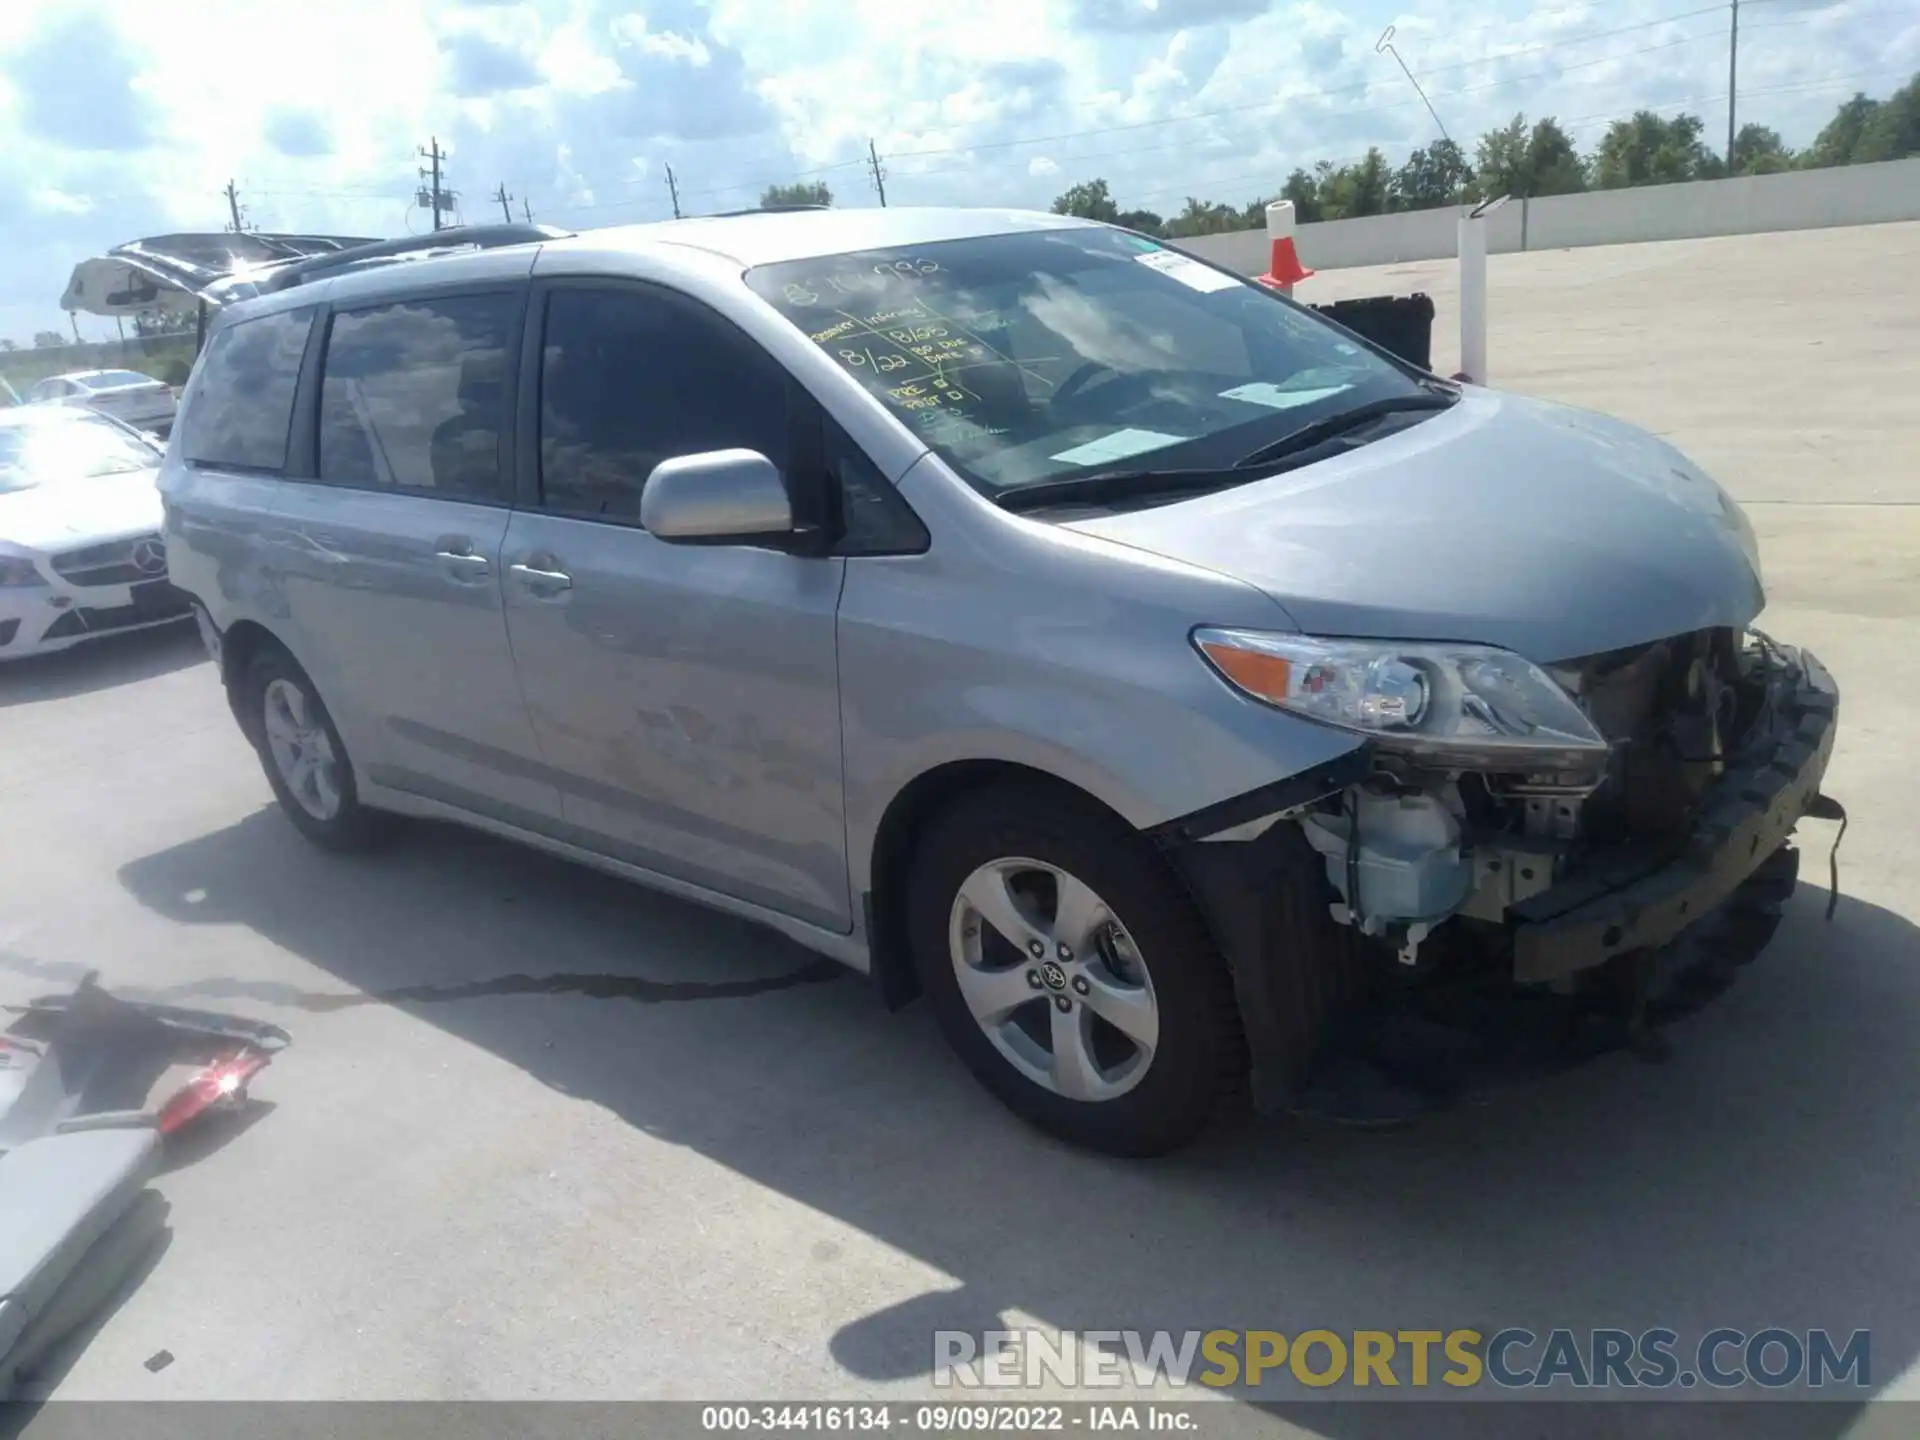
x,y
122,118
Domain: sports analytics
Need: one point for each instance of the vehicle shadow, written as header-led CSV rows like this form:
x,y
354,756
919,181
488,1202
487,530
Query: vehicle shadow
x,y
101,664
1761,1176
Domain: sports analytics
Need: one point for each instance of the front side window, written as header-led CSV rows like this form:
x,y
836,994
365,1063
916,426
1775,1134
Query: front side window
x,y
242,406
631,377
1033,356
413,396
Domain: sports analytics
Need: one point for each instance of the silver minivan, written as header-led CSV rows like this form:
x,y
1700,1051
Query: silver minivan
x,y
1174,687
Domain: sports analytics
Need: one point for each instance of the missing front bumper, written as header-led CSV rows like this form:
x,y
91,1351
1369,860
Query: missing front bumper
x,y
1635,929
1642,901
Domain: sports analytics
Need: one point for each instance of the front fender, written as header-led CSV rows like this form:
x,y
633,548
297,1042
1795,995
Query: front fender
x,y
1135,720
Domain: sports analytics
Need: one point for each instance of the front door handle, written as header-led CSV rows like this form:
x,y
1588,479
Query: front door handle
x,y
462,567
541,581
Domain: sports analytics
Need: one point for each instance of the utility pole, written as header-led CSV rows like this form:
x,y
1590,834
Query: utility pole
x,y
1733,78
674,191
233,206
506,202
526,209
434,196
879,175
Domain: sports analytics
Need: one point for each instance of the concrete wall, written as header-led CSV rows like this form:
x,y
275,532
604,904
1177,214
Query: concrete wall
x,y
1797,200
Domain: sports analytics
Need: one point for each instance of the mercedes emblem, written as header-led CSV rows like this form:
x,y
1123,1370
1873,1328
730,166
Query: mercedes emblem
x,y
150,556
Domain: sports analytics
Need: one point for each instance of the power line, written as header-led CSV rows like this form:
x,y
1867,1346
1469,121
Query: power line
x,y
1296,97
1587,122
1358,87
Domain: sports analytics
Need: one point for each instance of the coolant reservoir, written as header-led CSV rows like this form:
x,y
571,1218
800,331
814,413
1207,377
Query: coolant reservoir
x,y
1410,862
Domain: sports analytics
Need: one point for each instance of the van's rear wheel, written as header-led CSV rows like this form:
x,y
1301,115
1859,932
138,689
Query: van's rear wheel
x,y
1070,970
306,761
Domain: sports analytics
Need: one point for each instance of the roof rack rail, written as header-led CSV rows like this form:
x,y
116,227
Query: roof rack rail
x,y
765,210
457,237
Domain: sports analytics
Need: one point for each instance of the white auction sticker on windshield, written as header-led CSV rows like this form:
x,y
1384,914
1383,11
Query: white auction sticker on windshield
x,y
1188,271
1117,446
1274,398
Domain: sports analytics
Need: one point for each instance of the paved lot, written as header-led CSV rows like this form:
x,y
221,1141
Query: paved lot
x,y
476,1180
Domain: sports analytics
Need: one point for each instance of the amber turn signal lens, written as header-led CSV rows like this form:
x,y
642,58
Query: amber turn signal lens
x,y
1264,675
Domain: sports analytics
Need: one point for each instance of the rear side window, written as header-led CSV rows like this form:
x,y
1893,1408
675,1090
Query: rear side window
x,y
242,404
630,378
414,396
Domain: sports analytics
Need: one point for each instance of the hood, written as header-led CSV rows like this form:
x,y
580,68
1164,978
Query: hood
x,y
73,512
1545,530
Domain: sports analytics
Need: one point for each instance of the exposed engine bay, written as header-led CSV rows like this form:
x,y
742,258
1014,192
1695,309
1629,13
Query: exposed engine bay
x,y
1415,847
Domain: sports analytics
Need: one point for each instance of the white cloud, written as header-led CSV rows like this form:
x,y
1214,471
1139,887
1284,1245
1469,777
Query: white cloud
x,y
112,127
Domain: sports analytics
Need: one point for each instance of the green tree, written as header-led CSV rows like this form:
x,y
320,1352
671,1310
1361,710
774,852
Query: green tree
x,y
1893,133
1434,175
1204,217
803,192
48,340
9,345
1304,192
1840,136
1145,221
1347,191
1759,150
1089,200
1528,161
1647,150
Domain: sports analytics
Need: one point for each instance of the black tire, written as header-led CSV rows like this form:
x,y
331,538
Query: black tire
x,y
1199,1059
353,826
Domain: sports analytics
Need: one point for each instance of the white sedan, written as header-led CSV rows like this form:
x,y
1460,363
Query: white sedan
x,y
139,400
80,547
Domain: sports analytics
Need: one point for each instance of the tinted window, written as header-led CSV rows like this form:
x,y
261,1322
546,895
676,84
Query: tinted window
x,y
414,396
630,378
1028,356
242,404
106,379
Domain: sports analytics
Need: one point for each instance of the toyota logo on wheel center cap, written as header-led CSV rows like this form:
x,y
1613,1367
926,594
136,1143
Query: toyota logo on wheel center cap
x,y
150,557
1053,976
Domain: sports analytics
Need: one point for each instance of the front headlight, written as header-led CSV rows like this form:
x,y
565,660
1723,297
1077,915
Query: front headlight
x,y
1467,705
17,572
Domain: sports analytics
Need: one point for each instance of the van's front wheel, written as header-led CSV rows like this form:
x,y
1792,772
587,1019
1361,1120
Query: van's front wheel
x,y
1071,972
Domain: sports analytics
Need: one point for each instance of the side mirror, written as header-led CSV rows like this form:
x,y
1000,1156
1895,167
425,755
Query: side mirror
x,y
716,496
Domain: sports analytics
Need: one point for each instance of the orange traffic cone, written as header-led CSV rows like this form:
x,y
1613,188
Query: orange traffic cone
x,y
1284,269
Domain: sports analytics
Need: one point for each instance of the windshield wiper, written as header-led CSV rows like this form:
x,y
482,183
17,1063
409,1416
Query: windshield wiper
x,y
1106,486
1307,437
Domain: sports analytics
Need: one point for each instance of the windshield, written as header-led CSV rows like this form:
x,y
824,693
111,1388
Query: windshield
x,y
67,445
107,379
1033,356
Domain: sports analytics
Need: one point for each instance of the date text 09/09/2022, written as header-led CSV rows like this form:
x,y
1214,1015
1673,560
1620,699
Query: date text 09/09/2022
x,y
943,1419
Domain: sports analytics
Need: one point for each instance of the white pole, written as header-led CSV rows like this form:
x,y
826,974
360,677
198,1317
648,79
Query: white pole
x,y
1473,290
1473,297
